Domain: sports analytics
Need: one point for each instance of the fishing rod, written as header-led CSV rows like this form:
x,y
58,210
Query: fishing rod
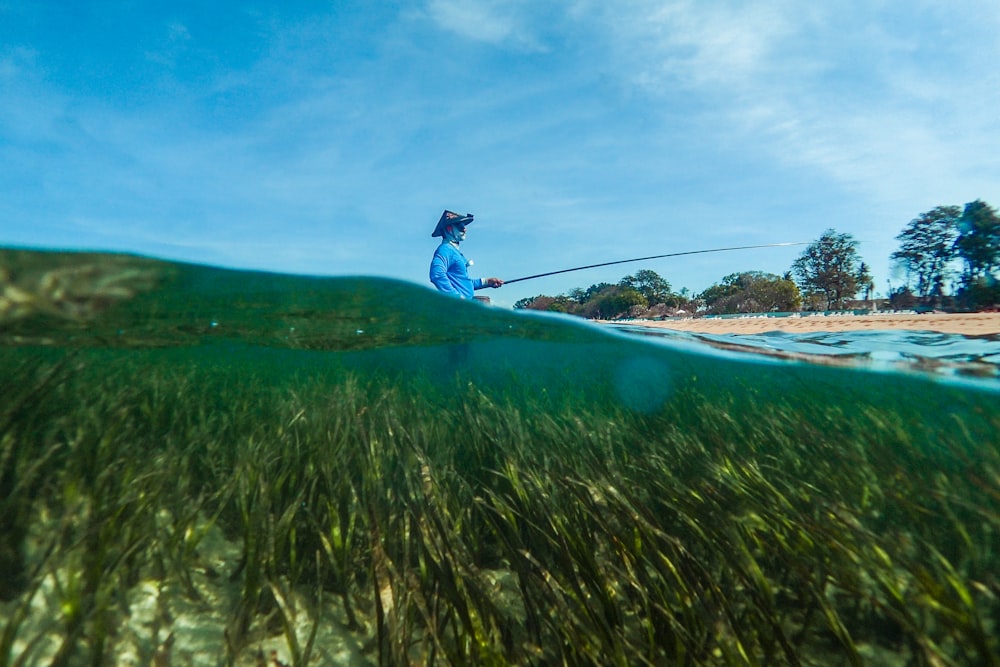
x,y
642,259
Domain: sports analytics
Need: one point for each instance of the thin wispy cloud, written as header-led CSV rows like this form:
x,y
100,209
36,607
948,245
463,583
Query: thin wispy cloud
x,y
508,23
865,95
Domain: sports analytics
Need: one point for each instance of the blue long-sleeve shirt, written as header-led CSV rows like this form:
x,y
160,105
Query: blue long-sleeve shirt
x,y
450,274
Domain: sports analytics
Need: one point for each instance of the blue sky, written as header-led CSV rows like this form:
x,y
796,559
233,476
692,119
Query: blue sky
x,y
327,137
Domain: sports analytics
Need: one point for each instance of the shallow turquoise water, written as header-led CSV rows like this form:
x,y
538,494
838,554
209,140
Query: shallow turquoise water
x,y
114,304
935,395
115,301
969,360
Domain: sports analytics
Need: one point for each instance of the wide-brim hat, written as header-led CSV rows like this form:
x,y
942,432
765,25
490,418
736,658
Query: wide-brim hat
x,y
451,218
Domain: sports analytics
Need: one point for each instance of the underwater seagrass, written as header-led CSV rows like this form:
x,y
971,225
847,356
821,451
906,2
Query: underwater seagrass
x,y
206,466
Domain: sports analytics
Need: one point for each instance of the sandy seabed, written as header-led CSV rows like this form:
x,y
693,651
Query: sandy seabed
x,y
966,324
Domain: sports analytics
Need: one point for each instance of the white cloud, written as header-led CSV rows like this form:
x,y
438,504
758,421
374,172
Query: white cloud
x,y
714,45
175,40
16,60
498,22
893,99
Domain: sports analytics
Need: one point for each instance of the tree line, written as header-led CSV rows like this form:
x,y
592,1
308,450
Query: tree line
x,y
950,257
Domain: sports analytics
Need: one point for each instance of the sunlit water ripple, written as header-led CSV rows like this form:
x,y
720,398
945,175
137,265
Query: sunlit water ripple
x,y
975,359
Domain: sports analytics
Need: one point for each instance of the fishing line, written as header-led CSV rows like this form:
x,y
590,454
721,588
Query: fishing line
x,y
642,259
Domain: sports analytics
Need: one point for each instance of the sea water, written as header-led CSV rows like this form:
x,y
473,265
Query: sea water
x,y
99,311
972,360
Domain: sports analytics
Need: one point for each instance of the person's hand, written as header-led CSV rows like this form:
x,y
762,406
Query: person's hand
x,y
494,282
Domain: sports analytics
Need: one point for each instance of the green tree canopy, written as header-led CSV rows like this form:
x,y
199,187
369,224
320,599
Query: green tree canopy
x,y
927,248
831,268
555,304
612,302
526,302
594,290
978,245
752,292
650,285
600,301
978,242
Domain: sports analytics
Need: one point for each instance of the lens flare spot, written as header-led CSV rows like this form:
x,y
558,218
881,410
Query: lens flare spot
x,y
643,383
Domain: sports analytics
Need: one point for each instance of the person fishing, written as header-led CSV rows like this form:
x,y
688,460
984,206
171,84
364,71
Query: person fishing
x,y
449,267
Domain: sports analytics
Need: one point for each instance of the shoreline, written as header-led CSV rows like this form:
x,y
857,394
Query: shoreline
x,y
965,324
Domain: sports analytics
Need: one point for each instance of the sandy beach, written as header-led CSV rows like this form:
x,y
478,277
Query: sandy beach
x,y
966,324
